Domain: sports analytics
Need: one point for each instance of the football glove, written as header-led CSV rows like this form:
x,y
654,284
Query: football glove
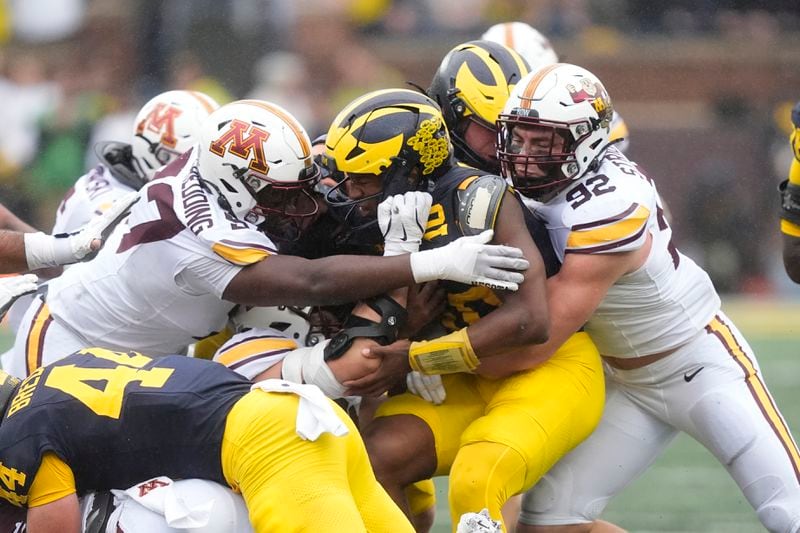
x,y
471,261
429,388
13,287
43,250
402,219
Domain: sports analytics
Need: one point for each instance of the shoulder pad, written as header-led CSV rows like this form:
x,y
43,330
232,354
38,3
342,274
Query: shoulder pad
x,y
621,231
479,199
235,240
610,211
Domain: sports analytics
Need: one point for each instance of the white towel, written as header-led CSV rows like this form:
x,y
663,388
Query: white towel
x,y
315,414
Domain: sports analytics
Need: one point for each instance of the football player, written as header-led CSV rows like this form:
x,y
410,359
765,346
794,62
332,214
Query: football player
x,y
494,437
538,52
165,127
296,458
790,204
674,361
191,250
471,86
270,343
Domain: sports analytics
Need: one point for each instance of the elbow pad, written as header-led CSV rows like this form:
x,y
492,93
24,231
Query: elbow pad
x,y
393,319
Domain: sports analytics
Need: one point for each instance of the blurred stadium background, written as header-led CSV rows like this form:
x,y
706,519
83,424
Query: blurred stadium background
x,y
705,86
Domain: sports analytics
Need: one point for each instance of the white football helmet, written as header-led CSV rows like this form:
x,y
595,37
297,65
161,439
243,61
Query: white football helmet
x,y
525,40
293,322
570,112
258,158
166,127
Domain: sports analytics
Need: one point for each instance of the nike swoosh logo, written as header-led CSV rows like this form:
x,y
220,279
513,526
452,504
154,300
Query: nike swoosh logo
x,y
689,377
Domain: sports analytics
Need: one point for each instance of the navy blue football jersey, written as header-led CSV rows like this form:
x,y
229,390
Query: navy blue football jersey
x,y
118,418
466,202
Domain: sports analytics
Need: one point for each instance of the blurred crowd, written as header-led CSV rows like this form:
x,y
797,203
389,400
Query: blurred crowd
x,y
80,74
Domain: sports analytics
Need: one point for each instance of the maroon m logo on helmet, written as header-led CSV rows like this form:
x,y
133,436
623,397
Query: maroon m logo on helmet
x,y
161,120
234,141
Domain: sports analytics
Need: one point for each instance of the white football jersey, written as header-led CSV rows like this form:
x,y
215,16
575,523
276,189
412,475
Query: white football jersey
x,y
156,286
93,193
667,300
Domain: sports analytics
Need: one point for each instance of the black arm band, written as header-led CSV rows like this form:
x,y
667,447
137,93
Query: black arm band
x,y
790,202
393,318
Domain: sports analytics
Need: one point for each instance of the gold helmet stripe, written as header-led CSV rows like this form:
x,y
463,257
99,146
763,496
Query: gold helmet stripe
x,y
204,101
295,126
508,35
530,89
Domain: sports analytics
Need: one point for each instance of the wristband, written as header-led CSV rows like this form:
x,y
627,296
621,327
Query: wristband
x,y
426,265
42,250
445,355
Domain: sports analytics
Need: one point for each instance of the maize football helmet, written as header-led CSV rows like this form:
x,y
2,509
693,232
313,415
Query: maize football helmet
x,y
472,84
396,135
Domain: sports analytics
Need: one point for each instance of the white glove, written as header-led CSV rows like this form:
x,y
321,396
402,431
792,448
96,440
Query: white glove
x,y
50,250
470,260
101,226
429,388
13,287
402,219
478,523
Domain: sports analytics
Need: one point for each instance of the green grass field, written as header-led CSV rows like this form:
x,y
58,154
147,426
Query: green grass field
x,y
686,490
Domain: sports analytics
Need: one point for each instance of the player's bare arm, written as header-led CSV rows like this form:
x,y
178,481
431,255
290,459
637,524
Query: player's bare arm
x,y
290,280
572,295
59,516
12,252
353,363
287,280
9,220
523,319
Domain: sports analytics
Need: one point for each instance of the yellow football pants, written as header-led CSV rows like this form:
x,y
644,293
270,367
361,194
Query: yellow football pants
x,y
497,438
290,484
